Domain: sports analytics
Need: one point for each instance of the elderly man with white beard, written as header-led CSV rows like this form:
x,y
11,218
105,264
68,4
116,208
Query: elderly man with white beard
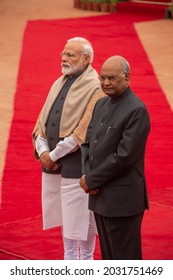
x,y
57,136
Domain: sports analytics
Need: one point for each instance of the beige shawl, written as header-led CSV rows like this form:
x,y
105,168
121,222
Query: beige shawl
x,y
78,105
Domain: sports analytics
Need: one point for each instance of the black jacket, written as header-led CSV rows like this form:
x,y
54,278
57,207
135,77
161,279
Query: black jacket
x,y
113,156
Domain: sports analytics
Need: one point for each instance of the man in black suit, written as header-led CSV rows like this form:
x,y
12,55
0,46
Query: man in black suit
x,y
113,163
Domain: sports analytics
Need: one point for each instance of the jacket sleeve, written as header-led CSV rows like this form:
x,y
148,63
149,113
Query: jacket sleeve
x,y
85,151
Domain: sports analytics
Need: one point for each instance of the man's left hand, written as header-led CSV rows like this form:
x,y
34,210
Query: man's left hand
x,y
84,186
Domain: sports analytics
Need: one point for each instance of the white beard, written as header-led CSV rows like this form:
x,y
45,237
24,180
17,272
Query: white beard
x,y
71,70
66,70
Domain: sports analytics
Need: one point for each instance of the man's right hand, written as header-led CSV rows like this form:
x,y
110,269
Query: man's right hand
x,y
48,163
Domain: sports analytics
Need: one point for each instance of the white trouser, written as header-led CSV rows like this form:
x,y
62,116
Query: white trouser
x,y
79,228
78,249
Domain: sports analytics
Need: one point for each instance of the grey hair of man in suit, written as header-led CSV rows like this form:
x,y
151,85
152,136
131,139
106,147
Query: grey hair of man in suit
x,y
124,64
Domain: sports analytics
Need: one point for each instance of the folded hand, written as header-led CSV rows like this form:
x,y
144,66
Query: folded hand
x,y
47,162
84,186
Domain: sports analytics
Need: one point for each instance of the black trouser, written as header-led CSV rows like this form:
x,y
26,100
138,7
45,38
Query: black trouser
x,y
120,237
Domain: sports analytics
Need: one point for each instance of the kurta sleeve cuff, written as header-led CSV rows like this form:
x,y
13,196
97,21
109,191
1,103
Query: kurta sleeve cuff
x,y
41,145
64,147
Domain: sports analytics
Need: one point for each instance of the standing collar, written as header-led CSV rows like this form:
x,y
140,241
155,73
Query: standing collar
x,y
121,96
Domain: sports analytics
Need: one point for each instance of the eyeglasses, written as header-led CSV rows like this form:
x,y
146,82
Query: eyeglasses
x,y
68,54
110,78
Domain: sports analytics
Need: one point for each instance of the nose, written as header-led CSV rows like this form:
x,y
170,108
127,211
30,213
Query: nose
x,y
106,81
64,58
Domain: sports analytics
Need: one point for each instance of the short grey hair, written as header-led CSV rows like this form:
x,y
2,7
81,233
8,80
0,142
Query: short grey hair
x,y
87,47
125,66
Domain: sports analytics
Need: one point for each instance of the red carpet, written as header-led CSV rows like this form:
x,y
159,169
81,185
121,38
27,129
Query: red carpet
x,y
21,235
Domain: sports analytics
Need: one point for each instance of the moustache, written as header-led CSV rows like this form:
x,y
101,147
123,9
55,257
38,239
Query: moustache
x,y
65,65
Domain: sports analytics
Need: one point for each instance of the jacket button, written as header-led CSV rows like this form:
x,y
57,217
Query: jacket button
x,y
91,158
95,141
101,124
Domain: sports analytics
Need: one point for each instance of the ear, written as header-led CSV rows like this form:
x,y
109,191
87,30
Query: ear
x,y
127,76
86,59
